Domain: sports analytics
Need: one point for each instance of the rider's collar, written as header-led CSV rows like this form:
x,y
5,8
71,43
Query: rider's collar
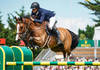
x,y
37,13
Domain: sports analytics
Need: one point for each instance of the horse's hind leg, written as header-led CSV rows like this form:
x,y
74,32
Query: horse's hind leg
x,y
64,54
68,51
68,55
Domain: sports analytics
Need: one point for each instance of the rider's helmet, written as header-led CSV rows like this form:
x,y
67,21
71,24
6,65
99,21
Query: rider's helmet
x,y
35,5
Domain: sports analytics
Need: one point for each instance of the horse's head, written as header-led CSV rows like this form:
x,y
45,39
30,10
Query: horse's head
x,y
20,27
25,25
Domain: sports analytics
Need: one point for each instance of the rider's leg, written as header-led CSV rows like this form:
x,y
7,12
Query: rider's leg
x,y
51,23
53,28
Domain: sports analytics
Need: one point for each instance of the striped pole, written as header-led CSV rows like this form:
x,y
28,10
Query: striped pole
x,y
55,63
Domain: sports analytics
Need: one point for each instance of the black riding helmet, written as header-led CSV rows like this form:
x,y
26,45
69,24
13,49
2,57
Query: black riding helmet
x,y
35,5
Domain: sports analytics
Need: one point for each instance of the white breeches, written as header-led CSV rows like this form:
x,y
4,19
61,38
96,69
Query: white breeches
x,y
52,21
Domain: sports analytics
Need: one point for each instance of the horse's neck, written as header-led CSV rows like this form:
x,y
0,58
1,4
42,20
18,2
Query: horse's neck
x,y
39,35
38,32
38,29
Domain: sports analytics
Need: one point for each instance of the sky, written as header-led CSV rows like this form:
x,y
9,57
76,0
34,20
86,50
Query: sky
x,y
70,14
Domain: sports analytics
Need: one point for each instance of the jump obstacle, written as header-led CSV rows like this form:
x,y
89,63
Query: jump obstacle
x,y
15,54
55,63
20,58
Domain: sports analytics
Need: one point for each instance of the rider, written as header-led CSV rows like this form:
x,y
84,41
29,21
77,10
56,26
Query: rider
x,y
44,15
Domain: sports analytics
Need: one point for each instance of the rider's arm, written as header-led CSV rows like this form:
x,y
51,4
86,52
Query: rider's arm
x,y
32,15
41,18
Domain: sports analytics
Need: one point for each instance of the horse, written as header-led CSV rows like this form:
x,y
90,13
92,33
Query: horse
x,y
28,30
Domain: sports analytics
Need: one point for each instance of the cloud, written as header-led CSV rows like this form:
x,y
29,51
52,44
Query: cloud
x,y
74,24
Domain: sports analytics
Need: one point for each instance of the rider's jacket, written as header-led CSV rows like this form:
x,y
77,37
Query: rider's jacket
x,y
42,15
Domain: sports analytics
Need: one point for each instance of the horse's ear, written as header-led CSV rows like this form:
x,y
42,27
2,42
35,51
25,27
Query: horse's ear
x,y
16,18
22,19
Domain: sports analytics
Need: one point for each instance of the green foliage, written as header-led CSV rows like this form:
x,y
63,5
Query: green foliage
x,y
81,31
87,33
22,12
11,30
1,24
82,36
2,29
94,6
9,33
12,25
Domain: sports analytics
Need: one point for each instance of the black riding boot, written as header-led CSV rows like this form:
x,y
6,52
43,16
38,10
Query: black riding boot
x,y
58,36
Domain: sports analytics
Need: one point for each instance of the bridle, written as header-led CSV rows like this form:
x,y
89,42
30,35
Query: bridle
x,y
24,34
27,32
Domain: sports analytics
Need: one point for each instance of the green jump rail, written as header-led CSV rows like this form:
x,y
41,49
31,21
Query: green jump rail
x,y
15,54
54,63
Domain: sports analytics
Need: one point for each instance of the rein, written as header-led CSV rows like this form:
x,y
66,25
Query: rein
x,y
46,42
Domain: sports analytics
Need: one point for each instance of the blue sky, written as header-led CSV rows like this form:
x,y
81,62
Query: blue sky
x,y
68,11
63,8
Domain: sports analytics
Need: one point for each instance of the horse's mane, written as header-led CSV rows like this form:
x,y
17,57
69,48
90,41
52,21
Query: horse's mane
x,y
25,16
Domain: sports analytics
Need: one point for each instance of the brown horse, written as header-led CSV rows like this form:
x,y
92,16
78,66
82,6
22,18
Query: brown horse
x,y
28,30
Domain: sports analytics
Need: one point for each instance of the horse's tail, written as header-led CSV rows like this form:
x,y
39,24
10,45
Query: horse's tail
x,y
75,39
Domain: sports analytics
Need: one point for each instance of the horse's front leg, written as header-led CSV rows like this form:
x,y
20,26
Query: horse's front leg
x,y
27,43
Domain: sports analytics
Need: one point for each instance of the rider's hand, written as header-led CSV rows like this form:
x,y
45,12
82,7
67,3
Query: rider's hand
x,y
31,18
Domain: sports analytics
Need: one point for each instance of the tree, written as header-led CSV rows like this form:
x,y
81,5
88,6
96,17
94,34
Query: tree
x,y
82,36
94,6
1,27
1,24
11,30
89,32
22,12
11,22
81,32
